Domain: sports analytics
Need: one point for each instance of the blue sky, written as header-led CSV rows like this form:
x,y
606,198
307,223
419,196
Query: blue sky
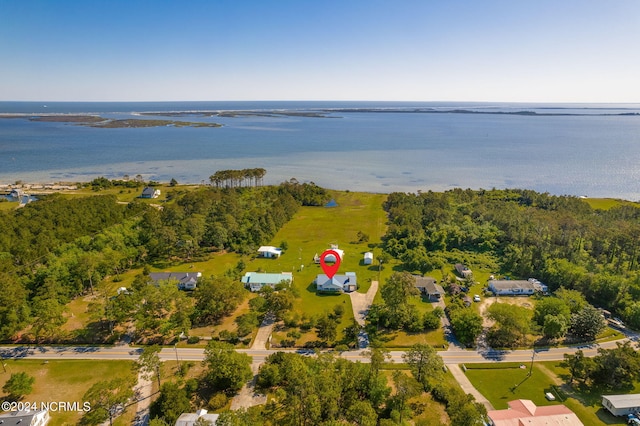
x,y
423,50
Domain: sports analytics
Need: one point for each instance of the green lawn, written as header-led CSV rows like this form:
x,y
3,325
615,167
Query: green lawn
x,y
67,381
607,203
504,382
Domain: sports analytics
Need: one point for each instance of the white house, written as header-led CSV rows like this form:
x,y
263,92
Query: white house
x,y
25,418
150,192
17,193
347,282
190,419
621,405
254,281
184,280
270,252
516,287
368,258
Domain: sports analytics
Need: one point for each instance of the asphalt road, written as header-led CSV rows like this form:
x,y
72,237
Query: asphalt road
x,y
124,352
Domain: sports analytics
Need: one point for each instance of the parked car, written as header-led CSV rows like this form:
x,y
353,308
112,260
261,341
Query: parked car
x,y
476,298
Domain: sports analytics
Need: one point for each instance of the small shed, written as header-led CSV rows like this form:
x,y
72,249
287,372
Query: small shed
x,y
368,258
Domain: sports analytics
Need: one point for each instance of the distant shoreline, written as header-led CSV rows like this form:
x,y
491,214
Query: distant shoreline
x,y
97,121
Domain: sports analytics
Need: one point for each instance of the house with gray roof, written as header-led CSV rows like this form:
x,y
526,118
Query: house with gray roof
x,y
150,192
430,287
339,283
516,287
621,405
254,281
462,270
184,280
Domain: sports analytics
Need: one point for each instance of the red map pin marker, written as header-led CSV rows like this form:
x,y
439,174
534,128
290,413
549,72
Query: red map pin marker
x,y
330,270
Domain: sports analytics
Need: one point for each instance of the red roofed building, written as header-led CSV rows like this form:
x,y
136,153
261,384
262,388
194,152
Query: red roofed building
x,y
523,412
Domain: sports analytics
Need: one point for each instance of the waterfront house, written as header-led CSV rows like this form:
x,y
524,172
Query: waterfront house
x,y
150,192
17,194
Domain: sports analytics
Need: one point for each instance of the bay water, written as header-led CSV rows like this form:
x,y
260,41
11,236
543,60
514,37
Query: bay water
x,y
573,149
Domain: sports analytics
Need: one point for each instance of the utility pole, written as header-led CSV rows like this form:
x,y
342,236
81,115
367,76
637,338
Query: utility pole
x,y
532,358
175,348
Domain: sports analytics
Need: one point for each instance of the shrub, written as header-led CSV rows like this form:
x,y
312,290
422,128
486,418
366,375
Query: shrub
x,y
217,401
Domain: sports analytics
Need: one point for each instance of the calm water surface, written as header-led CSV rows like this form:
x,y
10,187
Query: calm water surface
x,y
589,150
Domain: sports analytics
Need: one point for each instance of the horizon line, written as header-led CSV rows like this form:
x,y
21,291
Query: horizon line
x,y
322,100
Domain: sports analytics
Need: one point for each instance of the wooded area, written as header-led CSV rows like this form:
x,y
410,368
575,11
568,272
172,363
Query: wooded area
x,y
58,248
560,240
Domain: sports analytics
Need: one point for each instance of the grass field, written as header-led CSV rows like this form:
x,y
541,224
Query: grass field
x,y
67,381
311,231
607,203
504,382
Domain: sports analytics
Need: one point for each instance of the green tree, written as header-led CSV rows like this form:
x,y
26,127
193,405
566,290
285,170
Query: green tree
x,y
617,368
49,317
405,388
107,398
512,323
326,328
171,403
587,323
580,367
14,306
362,413
216,297
550,306
425,364
466,325
149,362
278,303
555,326
18,385
572,298
397,293
227,370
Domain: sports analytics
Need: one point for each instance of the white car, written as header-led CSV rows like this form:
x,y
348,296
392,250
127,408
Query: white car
x,y
476,298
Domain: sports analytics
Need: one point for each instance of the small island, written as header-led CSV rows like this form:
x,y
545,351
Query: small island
x,y
101,122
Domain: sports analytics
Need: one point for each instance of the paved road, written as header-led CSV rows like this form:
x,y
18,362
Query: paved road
x,y
259,355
